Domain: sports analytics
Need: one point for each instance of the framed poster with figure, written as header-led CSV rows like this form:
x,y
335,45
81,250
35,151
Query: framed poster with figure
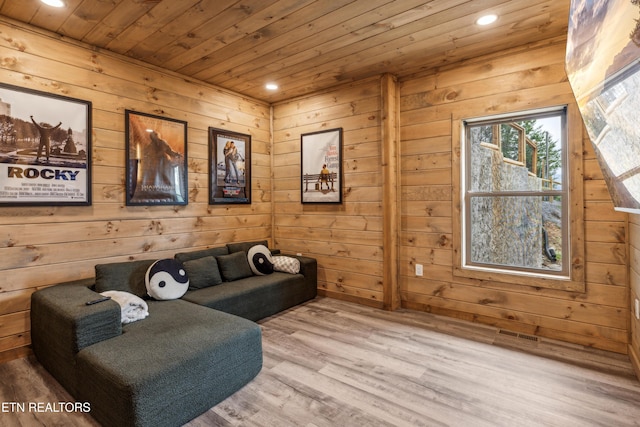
x,y
229,167
156,163
321,154
45,149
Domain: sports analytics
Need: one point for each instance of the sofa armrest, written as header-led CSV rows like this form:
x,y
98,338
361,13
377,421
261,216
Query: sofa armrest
x,y
62,324
308,266
309,269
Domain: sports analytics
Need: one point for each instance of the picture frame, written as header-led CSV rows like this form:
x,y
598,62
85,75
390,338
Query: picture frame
x,y
229,167
45,148
321,166
156,160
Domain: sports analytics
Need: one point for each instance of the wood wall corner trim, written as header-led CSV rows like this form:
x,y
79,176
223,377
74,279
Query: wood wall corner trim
x,y
390,136
635,360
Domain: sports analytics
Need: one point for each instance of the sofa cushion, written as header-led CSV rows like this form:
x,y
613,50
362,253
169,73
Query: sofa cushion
x,y
188,256
170,367
234,266
203,272
254,297
62,324
166,279
260,260
244,246
123,276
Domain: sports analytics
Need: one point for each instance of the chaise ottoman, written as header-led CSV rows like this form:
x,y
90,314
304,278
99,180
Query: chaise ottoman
x,y
173,366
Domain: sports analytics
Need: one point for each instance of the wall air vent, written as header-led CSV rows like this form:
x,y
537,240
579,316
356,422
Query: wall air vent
x,y
505,336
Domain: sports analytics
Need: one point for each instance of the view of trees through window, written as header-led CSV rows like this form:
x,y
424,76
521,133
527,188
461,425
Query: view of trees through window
x,y
548,159
515,198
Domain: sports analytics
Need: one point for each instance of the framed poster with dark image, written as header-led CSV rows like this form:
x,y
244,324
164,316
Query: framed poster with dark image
x,y
321,154
156,163
45,149
229,167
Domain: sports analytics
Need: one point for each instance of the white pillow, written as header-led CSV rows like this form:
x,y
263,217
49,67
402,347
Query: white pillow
x,y
166,279
286,264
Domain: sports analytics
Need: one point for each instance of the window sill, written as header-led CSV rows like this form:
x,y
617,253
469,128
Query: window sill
x,y
521,278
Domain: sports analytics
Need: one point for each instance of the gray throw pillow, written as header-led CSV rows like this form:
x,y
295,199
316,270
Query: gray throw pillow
x,y
123,276
188,256
244,246
202,272
234,266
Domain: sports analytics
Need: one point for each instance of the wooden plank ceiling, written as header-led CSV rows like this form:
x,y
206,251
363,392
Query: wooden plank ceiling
x,y
302,45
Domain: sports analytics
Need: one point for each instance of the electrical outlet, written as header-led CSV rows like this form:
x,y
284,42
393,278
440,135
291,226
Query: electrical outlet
x,y
637,309
419,270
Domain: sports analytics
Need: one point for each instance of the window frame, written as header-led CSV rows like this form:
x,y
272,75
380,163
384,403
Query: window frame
x,y
572,276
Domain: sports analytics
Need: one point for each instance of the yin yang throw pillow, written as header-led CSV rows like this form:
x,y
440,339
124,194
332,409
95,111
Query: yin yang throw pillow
x,y
166,279
260,260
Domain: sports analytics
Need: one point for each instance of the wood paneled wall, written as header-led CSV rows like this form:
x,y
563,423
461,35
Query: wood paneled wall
x,y
346,239
41,246
529,77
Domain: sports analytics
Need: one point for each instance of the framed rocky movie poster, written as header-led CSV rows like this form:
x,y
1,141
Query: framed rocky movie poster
x,y
321,154
156,160
45,148
229,167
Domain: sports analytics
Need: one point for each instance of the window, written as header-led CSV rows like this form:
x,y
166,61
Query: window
x,y
514,195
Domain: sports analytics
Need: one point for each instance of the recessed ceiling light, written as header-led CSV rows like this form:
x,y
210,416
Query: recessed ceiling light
x,y
487,19
54,3
271,86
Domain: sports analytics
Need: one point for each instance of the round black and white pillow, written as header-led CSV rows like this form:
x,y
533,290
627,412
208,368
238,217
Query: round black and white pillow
x,y
166,279
260,260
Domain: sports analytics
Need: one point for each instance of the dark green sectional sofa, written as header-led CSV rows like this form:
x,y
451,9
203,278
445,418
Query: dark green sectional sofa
x,y
188,355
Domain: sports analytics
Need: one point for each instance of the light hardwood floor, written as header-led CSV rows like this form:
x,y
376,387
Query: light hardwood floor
x,y
332,363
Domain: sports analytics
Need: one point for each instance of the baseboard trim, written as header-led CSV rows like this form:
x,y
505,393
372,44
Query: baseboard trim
x,y
351,298
15,353
635,360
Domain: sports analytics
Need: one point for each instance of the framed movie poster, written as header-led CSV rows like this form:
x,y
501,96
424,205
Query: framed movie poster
x,y
229,167
45,148
156,163
321,154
